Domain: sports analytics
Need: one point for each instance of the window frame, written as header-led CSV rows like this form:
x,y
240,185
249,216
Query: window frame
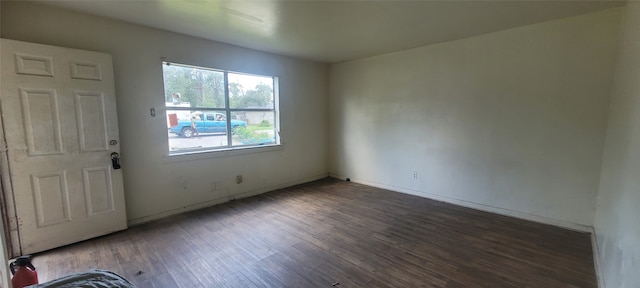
x,y
227,111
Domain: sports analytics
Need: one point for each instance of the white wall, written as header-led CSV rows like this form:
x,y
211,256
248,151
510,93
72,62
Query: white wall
x,y
511,122
618,211
155,186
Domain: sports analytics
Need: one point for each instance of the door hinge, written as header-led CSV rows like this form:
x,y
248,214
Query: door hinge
x,y
3,146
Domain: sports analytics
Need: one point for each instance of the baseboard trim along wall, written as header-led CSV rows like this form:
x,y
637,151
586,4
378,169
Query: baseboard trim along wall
x,y
201,205
473,205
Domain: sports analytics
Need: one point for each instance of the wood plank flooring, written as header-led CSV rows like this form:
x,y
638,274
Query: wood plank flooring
x,y
331,233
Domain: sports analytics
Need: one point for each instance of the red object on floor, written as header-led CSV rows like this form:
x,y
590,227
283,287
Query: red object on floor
x,y
25,275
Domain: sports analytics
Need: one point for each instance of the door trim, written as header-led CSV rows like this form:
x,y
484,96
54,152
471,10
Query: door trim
x,y
7,203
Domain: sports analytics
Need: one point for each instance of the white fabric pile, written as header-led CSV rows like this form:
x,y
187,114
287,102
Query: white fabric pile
x,y
91,279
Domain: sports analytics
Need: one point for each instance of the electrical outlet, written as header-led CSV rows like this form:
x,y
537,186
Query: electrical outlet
x,y
415,175
238,179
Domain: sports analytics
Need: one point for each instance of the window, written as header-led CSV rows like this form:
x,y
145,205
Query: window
x,y
203,104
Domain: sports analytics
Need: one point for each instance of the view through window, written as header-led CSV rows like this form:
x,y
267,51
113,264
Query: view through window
x,y
203,104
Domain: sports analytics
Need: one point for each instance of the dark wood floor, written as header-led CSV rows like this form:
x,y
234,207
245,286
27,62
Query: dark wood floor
x,y
335,233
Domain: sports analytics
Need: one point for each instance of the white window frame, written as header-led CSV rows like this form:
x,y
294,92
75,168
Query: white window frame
x,y
230,148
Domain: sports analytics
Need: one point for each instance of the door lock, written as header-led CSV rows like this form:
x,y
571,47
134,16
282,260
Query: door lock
x,y
115,160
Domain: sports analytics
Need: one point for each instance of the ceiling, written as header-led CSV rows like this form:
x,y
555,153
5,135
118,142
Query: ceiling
x,y
333,31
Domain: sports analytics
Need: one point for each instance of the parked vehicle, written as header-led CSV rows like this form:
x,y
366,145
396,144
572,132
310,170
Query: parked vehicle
x,y
207,122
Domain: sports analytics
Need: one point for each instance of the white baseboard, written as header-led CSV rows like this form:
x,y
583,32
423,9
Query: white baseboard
x,y
167,213
473,205
596,258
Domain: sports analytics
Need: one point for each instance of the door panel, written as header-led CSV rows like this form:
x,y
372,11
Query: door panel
x,y
41,121
51,198
98,190
92,122
59,115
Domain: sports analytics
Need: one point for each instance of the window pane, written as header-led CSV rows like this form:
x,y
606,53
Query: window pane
x,y
193,87
198,101
197,130
250,91
259,130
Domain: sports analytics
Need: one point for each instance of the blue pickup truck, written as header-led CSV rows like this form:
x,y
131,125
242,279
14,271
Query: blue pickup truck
x,y
208,122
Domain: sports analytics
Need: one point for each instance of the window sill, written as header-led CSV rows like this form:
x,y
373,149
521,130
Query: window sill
x,y
206,154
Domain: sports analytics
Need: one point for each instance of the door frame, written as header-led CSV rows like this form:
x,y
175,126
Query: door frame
x,y
7,203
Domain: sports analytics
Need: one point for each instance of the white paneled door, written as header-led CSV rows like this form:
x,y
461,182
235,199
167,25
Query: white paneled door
x,y
60,124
